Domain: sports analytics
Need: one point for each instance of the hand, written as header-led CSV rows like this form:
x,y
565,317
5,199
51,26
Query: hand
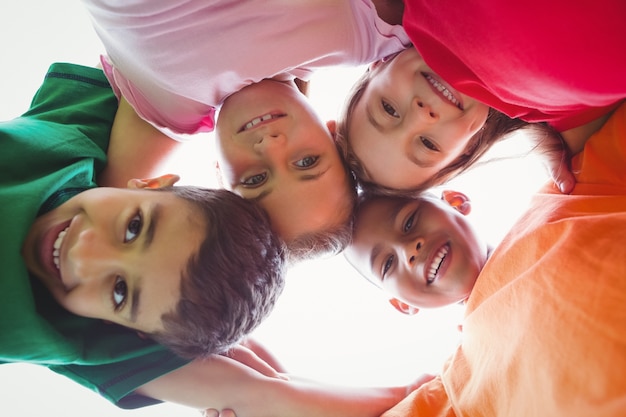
x,y
555,156
557,164
249,358
211,412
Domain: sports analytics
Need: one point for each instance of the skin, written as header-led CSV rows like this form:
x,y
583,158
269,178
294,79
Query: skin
x,y
107,262
287,162
403,130
398,243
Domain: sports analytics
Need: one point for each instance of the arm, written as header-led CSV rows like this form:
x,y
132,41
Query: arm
x,y
223,383
136,149
575,138
390,11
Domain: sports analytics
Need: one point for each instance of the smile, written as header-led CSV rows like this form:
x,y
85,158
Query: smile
x,y
437,262
260,120
56,248
445,92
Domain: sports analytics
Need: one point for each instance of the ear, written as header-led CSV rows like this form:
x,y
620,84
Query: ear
x,y
403,307
158,182
459,201
332,127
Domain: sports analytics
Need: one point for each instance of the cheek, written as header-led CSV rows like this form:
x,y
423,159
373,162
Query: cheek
x,y
83,302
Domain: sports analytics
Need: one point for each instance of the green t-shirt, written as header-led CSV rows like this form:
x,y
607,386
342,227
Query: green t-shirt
x,y
49,154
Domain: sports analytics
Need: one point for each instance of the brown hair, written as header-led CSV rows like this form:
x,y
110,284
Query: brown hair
x,y
232,283
497,127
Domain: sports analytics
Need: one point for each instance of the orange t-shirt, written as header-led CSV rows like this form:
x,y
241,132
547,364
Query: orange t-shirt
x,y
545,327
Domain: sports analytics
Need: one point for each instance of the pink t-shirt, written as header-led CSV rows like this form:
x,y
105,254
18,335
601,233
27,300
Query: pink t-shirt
x,y
175,61
558,61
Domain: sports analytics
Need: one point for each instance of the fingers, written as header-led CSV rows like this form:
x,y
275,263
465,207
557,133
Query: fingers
x,y
249,358
561,174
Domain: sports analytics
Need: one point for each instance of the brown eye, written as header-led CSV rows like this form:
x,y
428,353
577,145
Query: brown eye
x,y
133,228
388,108
429,144
120,291
387,265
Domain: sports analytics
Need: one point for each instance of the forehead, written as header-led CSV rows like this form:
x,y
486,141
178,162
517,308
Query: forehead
x,y
178,234
378,215
298,207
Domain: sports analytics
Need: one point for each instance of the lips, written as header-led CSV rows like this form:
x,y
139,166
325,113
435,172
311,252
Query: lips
x,y
434,268
260,120
443,90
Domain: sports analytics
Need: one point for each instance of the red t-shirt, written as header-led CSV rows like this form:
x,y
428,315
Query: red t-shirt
x,y
557,61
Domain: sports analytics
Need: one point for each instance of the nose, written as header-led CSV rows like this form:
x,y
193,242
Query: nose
x,y
92,258
424,111
269,141
412,250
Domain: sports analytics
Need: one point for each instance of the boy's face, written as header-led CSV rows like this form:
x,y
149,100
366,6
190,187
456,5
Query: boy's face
x,y
410,121
272,146
115,254
422,251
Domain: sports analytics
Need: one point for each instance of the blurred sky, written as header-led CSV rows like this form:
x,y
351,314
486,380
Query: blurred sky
x,y
330,324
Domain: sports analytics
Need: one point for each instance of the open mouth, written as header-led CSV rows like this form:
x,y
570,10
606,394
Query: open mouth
x,y
436,264
258,121
444,91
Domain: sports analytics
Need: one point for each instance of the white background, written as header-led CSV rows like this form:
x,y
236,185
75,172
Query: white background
x,y
330,324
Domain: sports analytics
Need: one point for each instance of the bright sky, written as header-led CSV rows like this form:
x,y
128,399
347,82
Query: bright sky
x,y
330,324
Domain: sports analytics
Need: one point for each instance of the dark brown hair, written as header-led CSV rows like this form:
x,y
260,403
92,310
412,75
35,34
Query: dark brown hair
x,y
232,283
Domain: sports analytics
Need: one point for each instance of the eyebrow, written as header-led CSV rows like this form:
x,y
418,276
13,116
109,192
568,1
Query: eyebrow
x,y
305,177
155,215
134,307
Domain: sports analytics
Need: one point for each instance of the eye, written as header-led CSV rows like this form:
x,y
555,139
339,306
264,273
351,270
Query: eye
x,y
254,180
409,222
429,144
134,228
306,162
387,265
388,108
119,292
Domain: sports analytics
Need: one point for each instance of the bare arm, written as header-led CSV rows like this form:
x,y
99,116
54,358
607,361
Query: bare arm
x,y
136,149
390,10
223,383
575,138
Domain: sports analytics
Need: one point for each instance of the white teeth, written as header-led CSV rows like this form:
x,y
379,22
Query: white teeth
x,y
57,247
256,121
446,93
434,267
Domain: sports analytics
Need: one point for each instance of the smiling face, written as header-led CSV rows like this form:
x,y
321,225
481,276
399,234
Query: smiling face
x,y
272,147
420,251
115,254
409,124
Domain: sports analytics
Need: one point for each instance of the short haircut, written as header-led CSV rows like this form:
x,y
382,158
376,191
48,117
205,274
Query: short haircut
x,y
232,283
497,127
